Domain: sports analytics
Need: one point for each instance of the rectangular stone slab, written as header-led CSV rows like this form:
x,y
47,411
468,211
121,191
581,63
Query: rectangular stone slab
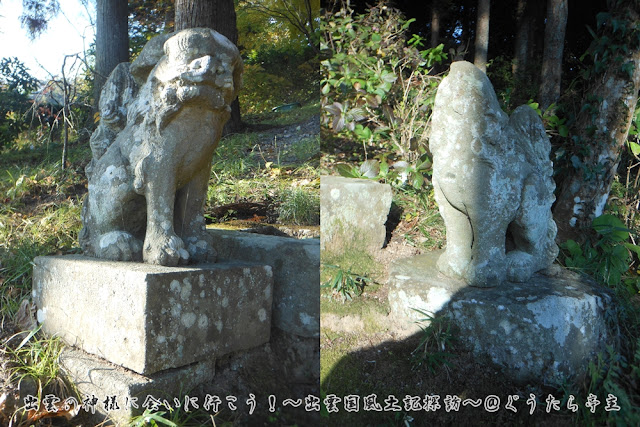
x,y
149,318
95,377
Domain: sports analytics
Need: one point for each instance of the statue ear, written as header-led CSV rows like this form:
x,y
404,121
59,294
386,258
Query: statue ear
x,y
148,58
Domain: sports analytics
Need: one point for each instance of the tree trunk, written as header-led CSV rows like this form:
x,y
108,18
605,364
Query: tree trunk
x,y
554,30
221,16
602,127
435,25
482,35
112,41
522,40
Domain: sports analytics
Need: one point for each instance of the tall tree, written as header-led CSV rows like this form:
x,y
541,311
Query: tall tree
x,y
221,16
524,19
112,40
554,31
435,25
482,35
603,123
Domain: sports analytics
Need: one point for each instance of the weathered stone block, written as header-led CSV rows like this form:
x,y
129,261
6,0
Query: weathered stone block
x,y
94,376
353,210
296,275
547,329
416,284
150,318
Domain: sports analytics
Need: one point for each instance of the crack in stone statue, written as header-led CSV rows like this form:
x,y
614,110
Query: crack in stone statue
x,y
493,183
161,118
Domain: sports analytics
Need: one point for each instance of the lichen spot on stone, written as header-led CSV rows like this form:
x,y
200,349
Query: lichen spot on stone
x,y
188,319
262,314
174,286
335,194
186,290
176,309
305,319
203,321
219,325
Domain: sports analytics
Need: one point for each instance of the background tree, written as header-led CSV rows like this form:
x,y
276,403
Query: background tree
x,y
554,30
221,16
602,124
482,35
112,40
435,25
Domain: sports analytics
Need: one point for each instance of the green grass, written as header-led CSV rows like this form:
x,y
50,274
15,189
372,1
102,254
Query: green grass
x,y
299,206
36,359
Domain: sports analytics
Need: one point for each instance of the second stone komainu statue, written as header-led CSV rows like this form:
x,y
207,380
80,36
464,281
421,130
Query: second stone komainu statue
x,y
161,118
493,183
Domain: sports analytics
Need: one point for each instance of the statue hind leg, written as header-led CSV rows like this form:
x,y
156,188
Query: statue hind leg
x,y
112,213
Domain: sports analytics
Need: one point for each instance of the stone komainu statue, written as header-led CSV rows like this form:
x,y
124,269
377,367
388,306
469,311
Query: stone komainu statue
x,y
161,118
493,183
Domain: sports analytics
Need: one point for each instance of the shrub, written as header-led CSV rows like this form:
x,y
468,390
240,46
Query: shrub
x,y
376,85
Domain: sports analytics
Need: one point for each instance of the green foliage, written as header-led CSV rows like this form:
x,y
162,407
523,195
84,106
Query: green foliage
x,y
607,259
344,282
376,86
437,340
15,85
266,88
276,22
399,174
281,66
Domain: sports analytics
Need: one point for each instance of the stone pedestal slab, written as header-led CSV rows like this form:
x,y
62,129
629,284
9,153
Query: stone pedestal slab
x,y
296,275
118,391
416,284
547,329
151,318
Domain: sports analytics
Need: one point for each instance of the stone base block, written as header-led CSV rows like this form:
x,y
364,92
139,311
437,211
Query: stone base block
x,y
353,210
296,274
117,391
416,284
545,330
150,318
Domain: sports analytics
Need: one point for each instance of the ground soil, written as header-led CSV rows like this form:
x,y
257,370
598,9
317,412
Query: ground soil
x,y
377,357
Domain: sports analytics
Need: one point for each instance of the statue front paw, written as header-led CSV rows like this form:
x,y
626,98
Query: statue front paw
x,y
164,249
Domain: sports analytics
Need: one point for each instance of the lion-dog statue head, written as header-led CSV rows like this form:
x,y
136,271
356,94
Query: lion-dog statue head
x,y
161,118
